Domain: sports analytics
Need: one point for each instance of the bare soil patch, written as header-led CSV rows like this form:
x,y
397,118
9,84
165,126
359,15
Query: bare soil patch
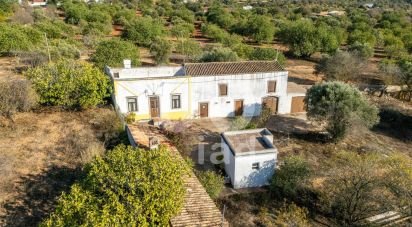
x,y
41,155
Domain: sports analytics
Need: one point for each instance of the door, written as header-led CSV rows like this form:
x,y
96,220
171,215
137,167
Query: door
x,y
271,103
154,106
204,109
238,107
298,104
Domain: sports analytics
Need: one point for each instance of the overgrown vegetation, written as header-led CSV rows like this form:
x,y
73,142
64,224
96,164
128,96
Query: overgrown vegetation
x,y
124,187
339,105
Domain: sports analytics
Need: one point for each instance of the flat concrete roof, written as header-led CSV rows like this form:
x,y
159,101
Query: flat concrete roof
x,y
252,141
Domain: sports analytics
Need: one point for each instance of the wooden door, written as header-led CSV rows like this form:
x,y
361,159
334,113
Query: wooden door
x,y
238,107
271,102
154,107
298,104
204,109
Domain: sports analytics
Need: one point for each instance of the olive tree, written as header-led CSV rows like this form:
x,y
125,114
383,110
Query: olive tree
x,y
219,55
112,53
161,50
128,186
143,30
343,66
339,105
69,84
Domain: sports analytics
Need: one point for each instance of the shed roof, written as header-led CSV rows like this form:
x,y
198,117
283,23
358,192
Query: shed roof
x,y
230,68
251,141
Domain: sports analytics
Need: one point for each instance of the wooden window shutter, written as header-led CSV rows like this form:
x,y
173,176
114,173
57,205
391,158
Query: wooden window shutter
x,y
271,86
222,89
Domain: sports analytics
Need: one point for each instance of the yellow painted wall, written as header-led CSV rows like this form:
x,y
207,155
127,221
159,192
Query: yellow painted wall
x,y
174,115
142,117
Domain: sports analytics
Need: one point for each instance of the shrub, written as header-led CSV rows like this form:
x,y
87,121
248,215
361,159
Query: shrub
x,y
16,96
182,30
130,118
189,48
219,55
161,50
361,49
69,84
239,123
124,188
14,38
267,54
112,53
342,66
291,215
212,182
292,175
60,49
339,105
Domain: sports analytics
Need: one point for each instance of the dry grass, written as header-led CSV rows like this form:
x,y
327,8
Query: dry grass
x,y
41,155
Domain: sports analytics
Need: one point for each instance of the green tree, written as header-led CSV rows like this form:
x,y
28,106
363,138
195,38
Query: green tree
x,y
219,55
112,53
268,54
292,175
212,182
361,49
14,38
189,48
260,29
339,105
143,30
220,16
161,50
69,84
182,30
301,38
128,186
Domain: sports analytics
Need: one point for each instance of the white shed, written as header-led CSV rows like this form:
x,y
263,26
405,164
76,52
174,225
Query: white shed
x,y
250,157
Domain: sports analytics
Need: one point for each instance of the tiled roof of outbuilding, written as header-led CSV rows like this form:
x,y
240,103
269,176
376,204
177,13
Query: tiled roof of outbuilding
x,y
231,68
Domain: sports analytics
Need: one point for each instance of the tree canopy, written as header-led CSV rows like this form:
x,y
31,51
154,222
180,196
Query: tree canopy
x,y
339,105
113,52
128,186
143,30
69,84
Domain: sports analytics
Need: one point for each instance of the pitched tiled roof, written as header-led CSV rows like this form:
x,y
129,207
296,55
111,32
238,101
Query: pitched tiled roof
x,y
231,68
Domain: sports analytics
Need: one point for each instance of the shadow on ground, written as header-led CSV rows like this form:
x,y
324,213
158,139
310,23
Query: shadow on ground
x,y
395,124
37,196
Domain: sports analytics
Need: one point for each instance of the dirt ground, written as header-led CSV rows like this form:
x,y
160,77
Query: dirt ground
x,y
40,157
294,134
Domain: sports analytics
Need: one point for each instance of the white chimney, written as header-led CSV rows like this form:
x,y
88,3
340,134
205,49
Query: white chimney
x,y
127,63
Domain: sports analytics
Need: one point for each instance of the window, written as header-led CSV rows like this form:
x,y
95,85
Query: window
x,y
222,89
271,86
116,75
132,104
176,102
255,165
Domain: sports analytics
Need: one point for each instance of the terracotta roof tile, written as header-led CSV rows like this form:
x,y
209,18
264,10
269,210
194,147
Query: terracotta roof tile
x,y
231,68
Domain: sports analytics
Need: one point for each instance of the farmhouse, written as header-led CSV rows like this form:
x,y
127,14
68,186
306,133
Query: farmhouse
x,y
249,157
198,90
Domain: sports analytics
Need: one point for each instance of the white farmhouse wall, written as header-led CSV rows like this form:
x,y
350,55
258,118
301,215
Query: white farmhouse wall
x,y
164,81
245,176
251,88
143,89
229,161
239,168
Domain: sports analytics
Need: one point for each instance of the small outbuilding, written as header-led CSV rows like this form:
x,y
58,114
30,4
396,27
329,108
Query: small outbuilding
x,y
249,156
